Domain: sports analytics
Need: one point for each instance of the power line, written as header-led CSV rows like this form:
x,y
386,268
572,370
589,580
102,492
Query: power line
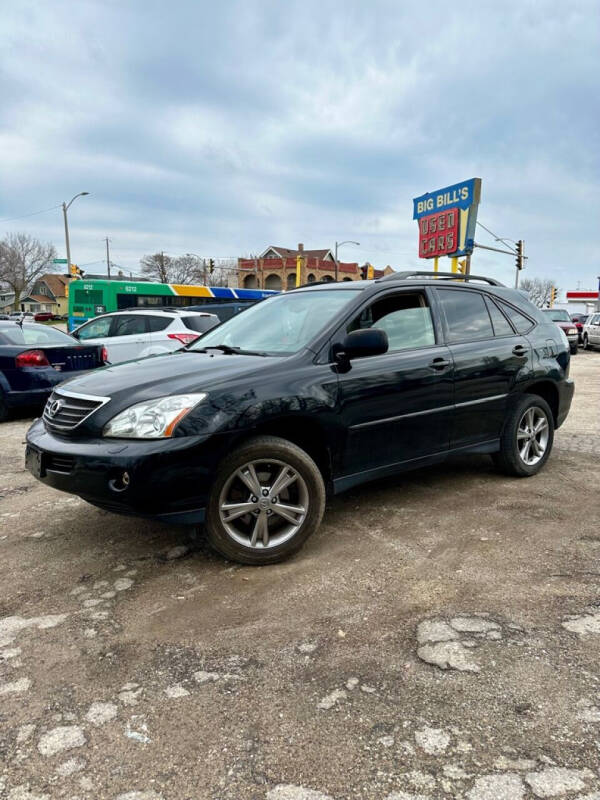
x,y
33,213
497,238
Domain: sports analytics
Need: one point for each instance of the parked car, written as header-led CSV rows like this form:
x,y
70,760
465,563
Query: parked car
x,y
25,316
314,390
579,321
591,332
43,316
4,316
224,311
145,332
36,358
561,317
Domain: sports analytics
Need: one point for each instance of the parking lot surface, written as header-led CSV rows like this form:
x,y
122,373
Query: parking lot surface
x,y
438,638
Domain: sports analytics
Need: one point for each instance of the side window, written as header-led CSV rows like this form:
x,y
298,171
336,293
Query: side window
x,y
501,325
520,322
466,315
156,324
406,318
96,329
129,325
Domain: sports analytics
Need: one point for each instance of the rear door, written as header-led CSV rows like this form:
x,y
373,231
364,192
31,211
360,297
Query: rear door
x,y
128,336
396,407
594,330
490,358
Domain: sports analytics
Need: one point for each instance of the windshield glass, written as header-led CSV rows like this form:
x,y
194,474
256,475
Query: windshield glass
x,y
280,325
558,314
34,334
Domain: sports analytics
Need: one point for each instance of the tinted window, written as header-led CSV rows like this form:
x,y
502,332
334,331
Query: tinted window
x,y
466,315
156,324
96,329
129,325
405,318
34,334
519,321
200,323
499,321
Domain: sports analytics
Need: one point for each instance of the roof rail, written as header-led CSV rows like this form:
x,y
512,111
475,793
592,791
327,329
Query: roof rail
x,y
446,276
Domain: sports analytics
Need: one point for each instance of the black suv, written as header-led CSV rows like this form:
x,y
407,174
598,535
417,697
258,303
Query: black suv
x,y
317,389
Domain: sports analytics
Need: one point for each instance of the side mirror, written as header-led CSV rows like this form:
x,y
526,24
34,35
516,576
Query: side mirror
x,y
366,342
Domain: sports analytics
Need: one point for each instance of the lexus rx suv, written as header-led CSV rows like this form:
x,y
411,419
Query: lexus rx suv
x,y
312,391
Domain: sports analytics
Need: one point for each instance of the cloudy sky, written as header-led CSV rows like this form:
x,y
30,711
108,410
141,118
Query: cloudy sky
x,y
220,128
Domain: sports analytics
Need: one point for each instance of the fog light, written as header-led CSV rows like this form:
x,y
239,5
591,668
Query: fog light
x,y
120,483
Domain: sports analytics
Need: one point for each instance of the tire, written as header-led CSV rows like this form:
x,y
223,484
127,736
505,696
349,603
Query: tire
x,y
573,349
263,462
586,343
509,459
3,408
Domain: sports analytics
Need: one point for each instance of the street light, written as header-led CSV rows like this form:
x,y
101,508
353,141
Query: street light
x,y
65,208
339,244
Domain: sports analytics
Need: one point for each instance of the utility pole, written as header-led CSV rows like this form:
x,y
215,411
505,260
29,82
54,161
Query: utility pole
x,y
107,257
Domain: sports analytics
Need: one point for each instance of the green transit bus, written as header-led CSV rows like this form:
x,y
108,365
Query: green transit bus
x,y
88,299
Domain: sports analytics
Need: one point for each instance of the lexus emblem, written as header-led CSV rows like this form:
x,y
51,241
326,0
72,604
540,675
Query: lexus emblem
x,y
55,407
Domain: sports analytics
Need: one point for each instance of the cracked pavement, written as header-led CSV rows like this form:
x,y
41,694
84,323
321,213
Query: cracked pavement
x,y
438,638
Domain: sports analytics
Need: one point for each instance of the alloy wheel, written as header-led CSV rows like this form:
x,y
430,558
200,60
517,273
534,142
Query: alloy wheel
x,y
532,436
263,503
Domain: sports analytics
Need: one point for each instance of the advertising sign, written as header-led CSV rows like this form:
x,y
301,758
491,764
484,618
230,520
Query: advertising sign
x,y
455,207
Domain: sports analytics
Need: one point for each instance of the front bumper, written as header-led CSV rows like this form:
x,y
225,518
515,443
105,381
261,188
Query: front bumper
x,y
169,479
566,390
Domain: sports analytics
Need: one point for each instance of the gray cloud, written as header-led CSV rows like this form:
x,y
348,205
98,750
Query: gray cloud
x,y
222,128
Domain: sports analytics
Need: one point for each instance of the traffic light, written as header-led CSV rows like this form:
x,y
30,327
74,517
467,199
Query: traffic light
x,y
519,256
75,271
462,266
370,272
211,265
552,296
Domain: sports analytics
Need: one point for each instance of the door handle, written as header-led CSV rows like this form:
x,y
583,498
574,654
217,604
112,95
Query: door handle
x,y
520,350
440,363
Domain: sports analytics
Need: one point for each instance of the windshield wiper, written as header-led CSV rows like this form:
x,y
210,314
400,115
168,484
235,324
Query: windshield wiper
x,y
228,349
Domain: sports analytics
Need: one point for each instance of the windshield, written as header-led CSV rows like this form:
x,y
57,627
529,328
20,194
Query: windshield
x,y
34,334
280,325
558,314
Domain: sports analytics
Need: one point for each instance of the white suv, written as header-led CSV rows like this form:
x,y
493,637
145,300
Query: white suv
x,y
145,332
591,331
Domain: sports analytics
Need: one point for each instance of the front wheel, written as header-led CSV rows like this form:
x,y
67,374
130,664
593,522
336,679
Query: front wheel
x,y
268,497
586,343
573,349
527,437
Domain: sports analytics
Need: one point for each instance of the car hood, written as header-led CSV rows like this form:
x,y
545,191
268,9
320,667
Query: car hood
x,y
172,373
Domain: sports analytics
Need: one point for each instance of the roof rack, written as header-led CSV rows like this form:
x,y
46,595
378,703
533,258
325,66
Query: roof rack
x,y
446,276
315,283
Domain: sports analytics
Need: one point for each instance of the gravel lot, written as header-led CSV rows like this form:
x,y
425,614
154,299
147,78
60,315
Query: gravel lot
x,y
135,664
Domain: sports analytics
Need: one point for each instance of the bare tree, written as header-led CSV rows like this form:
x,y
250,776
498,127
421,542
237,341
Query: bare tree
x,y
157,267
22,260
539,290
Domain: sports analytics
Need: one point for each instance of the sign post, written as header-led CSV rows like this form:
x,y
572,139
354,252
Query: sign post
x,y
446,220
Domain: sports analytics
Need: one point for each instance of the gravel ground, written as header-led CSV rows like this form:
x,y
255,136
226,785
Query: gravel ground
x,y
438,638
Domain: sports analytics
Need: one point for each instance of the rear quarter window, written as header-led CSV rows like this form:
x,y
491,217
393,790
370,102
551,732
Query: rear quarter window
x,y
520,321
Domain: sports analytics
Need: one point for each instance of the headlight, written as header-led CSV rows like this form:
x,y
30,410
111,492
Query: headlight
x,y
154,419
571,331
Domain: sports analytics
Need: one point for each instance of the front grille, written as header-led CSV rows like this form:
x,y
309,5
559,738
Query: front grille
x,y
63,411
56,463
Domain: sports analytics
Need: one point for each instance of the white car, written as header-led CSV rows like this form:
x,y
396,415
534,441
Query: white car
x,y
591,331
145,332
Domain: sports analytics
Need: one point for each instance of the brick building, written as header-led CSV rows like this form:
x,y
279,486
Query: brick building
x,y
275,268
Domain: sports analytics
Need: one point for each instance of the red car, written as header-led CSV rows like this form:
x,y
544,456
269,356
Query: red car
x,y
561,317
43,316
579,321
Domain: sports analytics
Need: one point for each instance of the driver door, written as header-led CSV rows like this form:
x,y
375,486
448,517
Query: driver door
x,y
397,407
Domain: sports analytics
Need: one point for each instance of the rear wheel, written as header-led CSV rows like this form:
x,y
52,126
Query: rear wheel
x,y
267,498
527,437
